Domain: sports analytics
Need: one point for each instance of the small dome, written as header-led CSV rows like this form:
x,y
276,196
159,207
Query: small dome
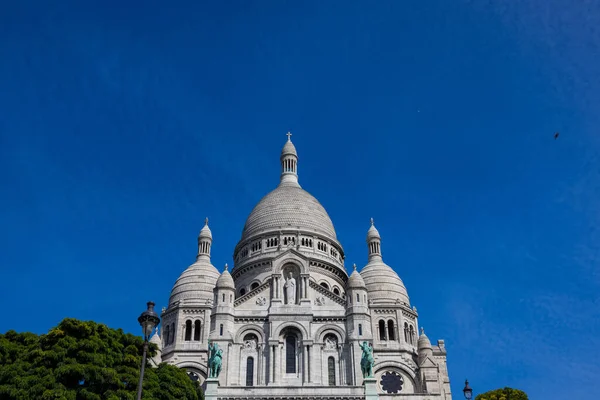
x,y
423,342
372,233
355,281
196,283
289,147
383,283
225,281
156,339
205,231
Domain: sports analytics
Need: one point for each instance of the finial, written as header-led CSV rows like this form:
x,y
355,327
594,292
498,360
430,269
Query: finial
x,y
372,222
354,266
206,221
289,135
226,266
422,331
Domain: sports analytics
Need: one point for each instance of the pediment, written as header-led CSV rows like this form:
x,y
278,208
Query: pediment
x,y
428,363
291,256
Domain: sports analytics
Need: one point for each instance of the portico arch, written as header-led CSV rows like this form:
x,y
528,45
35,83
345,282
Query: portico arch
x,y
196,368
290,324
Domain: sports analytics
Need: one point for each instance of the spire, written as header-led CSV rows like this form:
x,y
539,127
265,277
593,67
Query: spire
x,y
204,242
373,242
289,163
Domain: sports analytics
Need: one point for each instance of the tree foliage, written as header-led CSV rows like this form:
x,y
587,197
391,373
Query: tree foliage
x,y
84,360
503,394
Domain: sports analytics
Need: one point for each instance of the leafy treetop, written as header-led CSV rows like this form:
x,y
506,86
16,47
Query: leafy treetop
x,y
84,360
503,394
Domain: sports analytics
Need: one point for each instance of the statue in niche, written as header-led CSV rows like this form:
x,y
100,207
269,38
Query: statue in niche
x,y
367,360
215,360
290,289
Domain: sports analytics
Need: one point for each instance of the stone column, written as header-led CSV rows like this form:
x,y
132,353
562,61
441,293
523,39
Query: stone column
x,y
258,364
306,283
271,363
342,380
274,363
353,362
304,364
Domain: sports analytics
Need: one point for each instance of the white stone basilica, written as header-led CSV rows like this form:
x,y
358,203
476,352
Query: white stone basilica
x,y
288,317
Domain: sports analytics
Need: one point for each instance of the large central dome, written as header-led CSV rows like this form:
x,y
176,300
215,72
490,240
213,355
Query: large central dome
x,y
289,206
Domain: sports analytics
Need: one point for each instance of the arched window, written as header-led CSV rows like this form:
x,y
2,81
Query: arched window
x,y
331,371
382,330
326,286
242,292
336,291
359,329
172,332
221,330
357,298
391,335
412,335
250,371
290,354
223,297
167,333
406,332
188,330
197,331
254,286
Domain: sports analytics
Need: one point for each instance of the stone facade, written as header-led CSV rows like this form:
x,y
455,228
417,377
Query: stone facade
x,y
288,317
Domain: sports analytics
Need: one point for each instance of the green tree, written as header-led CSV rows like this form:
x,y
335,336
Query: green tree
x,y
84,360
503,394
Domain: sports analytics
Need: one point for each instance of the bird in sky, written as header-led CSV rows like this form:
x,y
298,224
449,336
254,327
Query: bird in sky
x,y
556,135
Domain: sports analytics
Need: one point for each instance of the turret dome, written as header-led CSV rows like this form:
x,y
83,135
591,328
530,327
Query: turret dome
x,y
156,339
355,281
205,232
372,233
289,148
423,342
383,283
225,281
195,284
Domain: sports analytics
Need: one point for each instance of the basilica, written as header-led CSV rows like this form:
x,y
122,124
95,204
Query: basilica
x,y
290,321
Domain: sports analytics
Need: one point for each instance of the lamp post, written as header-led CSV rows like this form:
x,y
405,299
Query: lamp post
x,y
468,391
148,320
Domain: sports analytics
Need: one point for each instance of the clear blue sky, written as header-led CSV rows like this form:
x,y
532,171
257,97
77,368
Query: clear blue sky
x,y
123,125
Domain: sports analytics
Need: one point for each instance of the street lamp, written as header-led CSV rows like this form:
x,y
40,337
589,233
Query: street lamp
x,y
468,391
148,320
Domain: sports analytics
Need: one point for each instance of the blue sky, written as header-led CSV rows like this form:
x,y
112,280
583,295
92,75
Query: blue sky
x,y
122,126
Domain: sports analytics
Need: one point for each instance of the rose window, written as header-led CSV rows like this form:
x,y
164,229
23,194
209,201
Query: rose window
x,y
391,382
